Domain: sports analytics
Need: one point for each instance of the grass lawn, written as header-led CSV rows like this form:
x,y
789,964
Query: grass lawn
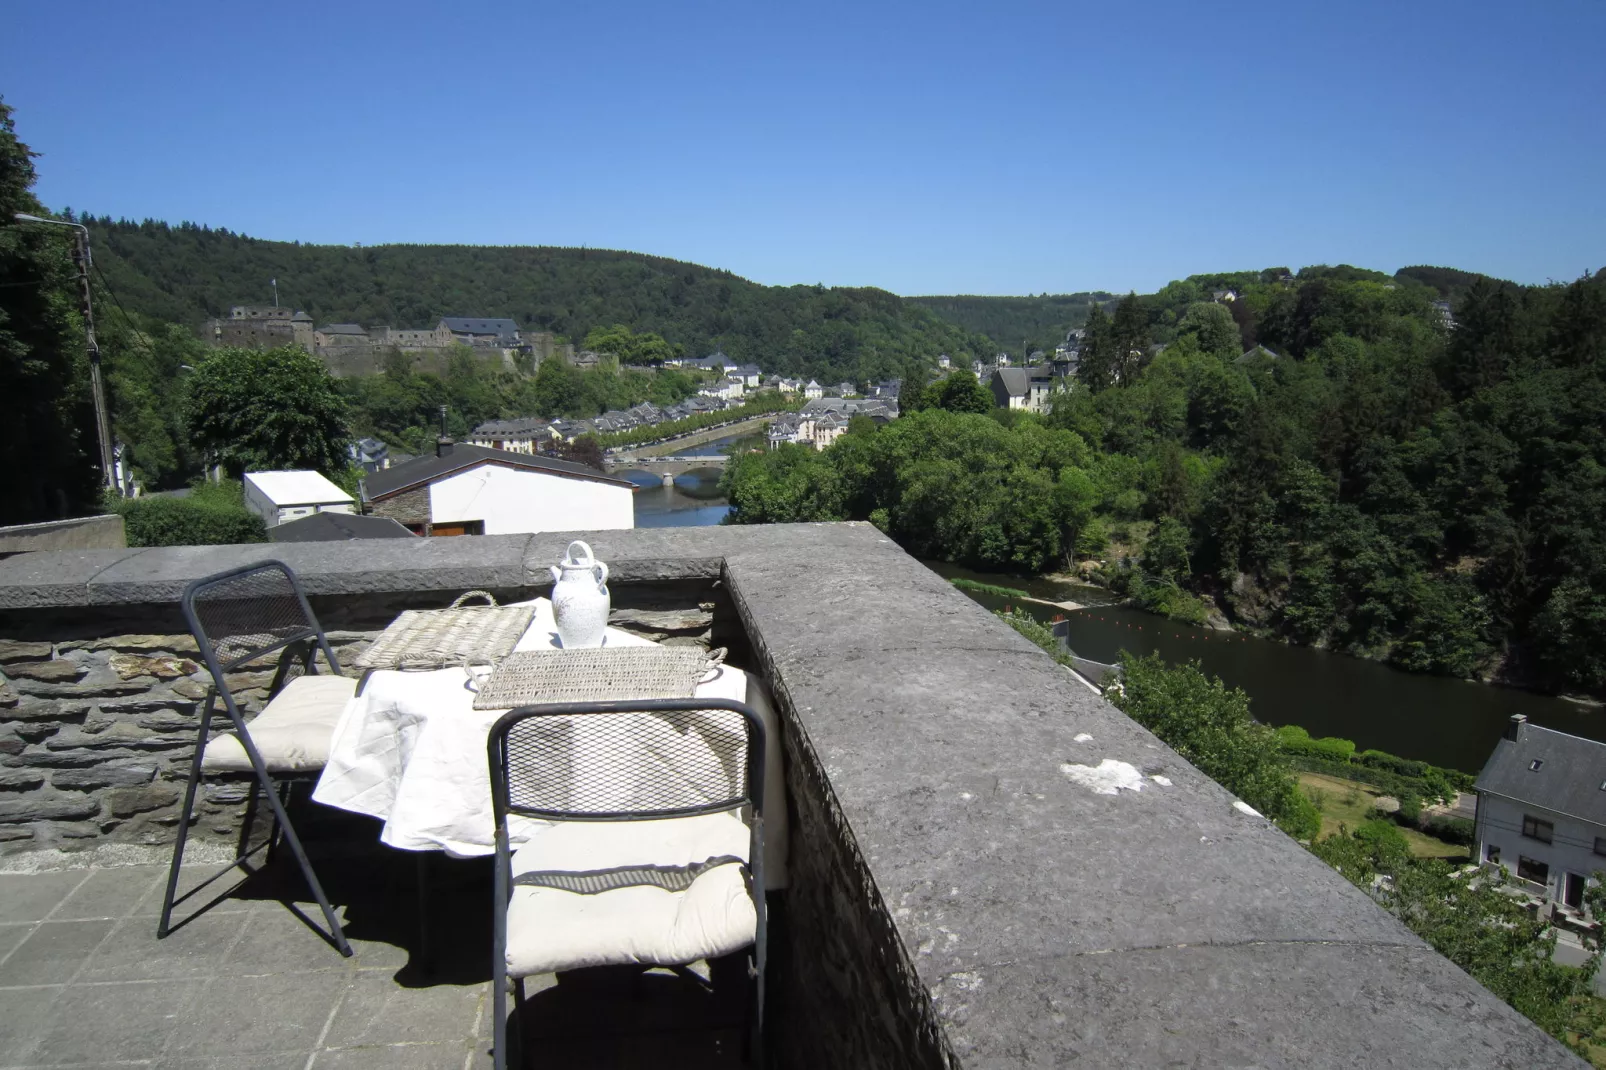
x,y
1349,803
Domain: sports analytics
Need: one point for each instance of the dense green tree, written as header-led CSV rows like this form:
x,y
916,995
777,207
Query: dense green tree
x,y
47,455
267,409
1214,328
1097,367
629,347
961,392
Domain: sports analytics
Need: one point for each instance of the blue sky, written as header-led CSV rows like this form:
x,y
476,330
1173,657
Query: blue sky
x,y
925,148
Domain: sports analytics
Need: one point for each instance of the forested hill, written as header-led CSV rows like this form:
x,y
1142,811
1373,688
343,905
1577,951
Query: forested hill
x,y
1018,324
187,273
1326,457
1022,324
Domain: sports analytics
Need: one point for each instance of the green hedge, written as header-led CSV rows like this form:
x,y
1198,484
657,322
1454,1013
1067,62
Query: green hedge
x,y
1387,782
1295,740
1449,829
987,588
1404,778
188,522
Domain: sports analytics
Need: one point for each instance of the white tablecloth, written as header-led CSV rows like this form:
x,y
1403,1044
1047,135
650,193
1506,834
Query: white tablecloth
x,y
410,750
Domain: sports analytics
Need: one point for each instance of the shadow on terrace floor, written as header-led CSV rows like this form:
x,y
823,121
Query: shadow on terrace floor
x,y
248,982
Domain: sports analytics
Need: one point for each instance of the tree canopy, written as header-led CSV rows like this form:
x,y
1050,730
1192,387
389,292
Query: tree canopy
x,y
47,455
253,410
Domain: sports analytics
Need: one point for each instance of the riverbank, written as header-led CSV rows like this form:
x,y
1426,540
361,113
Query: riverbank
x,y
1345,805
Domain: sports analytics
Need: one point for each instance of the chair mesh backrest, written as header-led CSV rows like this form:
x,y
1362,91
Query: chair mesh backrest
x,y
628,764
247,614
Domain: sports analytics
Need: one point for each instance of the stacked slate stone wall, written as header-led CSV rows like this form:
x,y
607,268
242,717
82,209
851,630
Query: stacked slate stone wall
x,y
97,732
96,737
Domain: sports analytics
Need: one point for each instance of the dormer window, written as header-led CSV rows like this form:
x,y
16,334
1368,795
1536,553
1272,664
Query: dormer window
x,y
1534,765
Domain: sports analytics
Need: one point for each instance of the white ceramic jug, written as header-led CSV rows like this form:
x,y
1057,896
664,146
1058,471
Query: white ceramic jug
x,y
580,599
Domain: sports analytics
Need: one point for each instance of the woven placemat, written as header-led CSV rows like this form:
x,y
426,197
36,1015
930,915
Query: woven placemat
x,y
437,638
531,677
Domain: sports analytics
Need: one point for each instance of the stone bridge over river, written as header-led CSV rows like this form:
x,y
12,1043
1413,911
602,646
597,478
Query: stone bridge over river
x,y
666,468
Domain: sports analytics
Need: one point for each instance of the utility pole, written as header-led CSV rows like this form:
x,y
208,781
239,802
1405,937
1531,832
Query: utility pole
x,y
82,261
102,422
275,282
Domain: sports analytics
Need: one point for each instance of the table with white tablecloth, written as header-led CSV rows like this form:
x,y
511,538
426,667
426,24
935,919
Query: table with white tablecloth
x,y
410,749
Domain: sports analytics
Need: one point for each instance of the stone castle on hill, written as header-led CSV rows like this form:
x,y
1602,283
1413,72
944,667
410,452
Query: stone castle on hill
x,y
351,349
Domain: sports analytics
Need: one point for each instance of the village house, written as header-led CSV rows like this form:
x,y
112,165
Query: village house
x,y
473,490
728,389
1542,812
812,389
1022,388
281,496
526,434
369,454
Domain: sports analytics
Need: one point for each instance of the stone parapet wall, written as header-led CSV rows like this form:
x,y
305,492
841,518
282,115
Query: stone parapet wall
x,y
960,895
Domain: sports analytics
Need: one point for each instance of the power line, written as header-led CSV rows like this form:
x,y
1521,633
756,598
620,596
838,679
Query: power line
x,y
132,326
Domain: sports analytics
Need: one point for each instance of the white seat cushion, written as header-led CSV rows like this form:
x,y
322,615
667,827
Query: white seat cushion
x,y
292,732
696,907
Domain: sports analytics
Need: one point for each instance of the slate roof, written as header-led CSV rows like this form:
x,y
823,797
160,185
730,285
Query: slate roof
x,y
502,328
428,468
523,425
1571,778
1013,380
297,487
1257,353
342,328
332,527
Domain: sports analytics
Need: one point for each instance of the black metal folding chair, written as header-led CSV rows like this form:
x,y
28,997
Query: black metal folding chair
x,y
237,618
651,761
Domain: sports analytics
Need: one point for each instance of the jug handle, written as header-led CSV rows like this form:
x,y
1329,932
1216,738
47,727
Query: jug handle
x,y
588,560
600,571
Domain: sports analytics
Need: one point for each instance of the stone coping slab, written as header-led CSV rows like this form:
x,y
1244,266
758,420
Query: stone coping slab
x,y
1052,916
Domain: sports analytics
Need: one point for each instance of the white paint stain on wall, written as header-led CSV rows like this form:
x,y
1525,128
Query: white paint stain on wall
x,y
1244,808
1083,737
1109,777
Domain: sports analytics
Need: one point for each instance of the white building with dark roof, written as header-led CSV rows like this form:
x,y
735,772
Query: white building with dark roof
x,y
525,434
472,490
1542,811
1022,388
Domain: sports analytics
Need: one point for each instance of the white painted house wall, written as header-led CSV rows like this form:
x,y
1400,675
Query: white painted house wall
x,y
512,501
1571,850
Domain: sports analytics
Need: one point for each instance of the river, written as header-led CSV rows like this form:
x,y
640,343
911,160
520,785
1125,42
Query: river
x,y
1453,723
